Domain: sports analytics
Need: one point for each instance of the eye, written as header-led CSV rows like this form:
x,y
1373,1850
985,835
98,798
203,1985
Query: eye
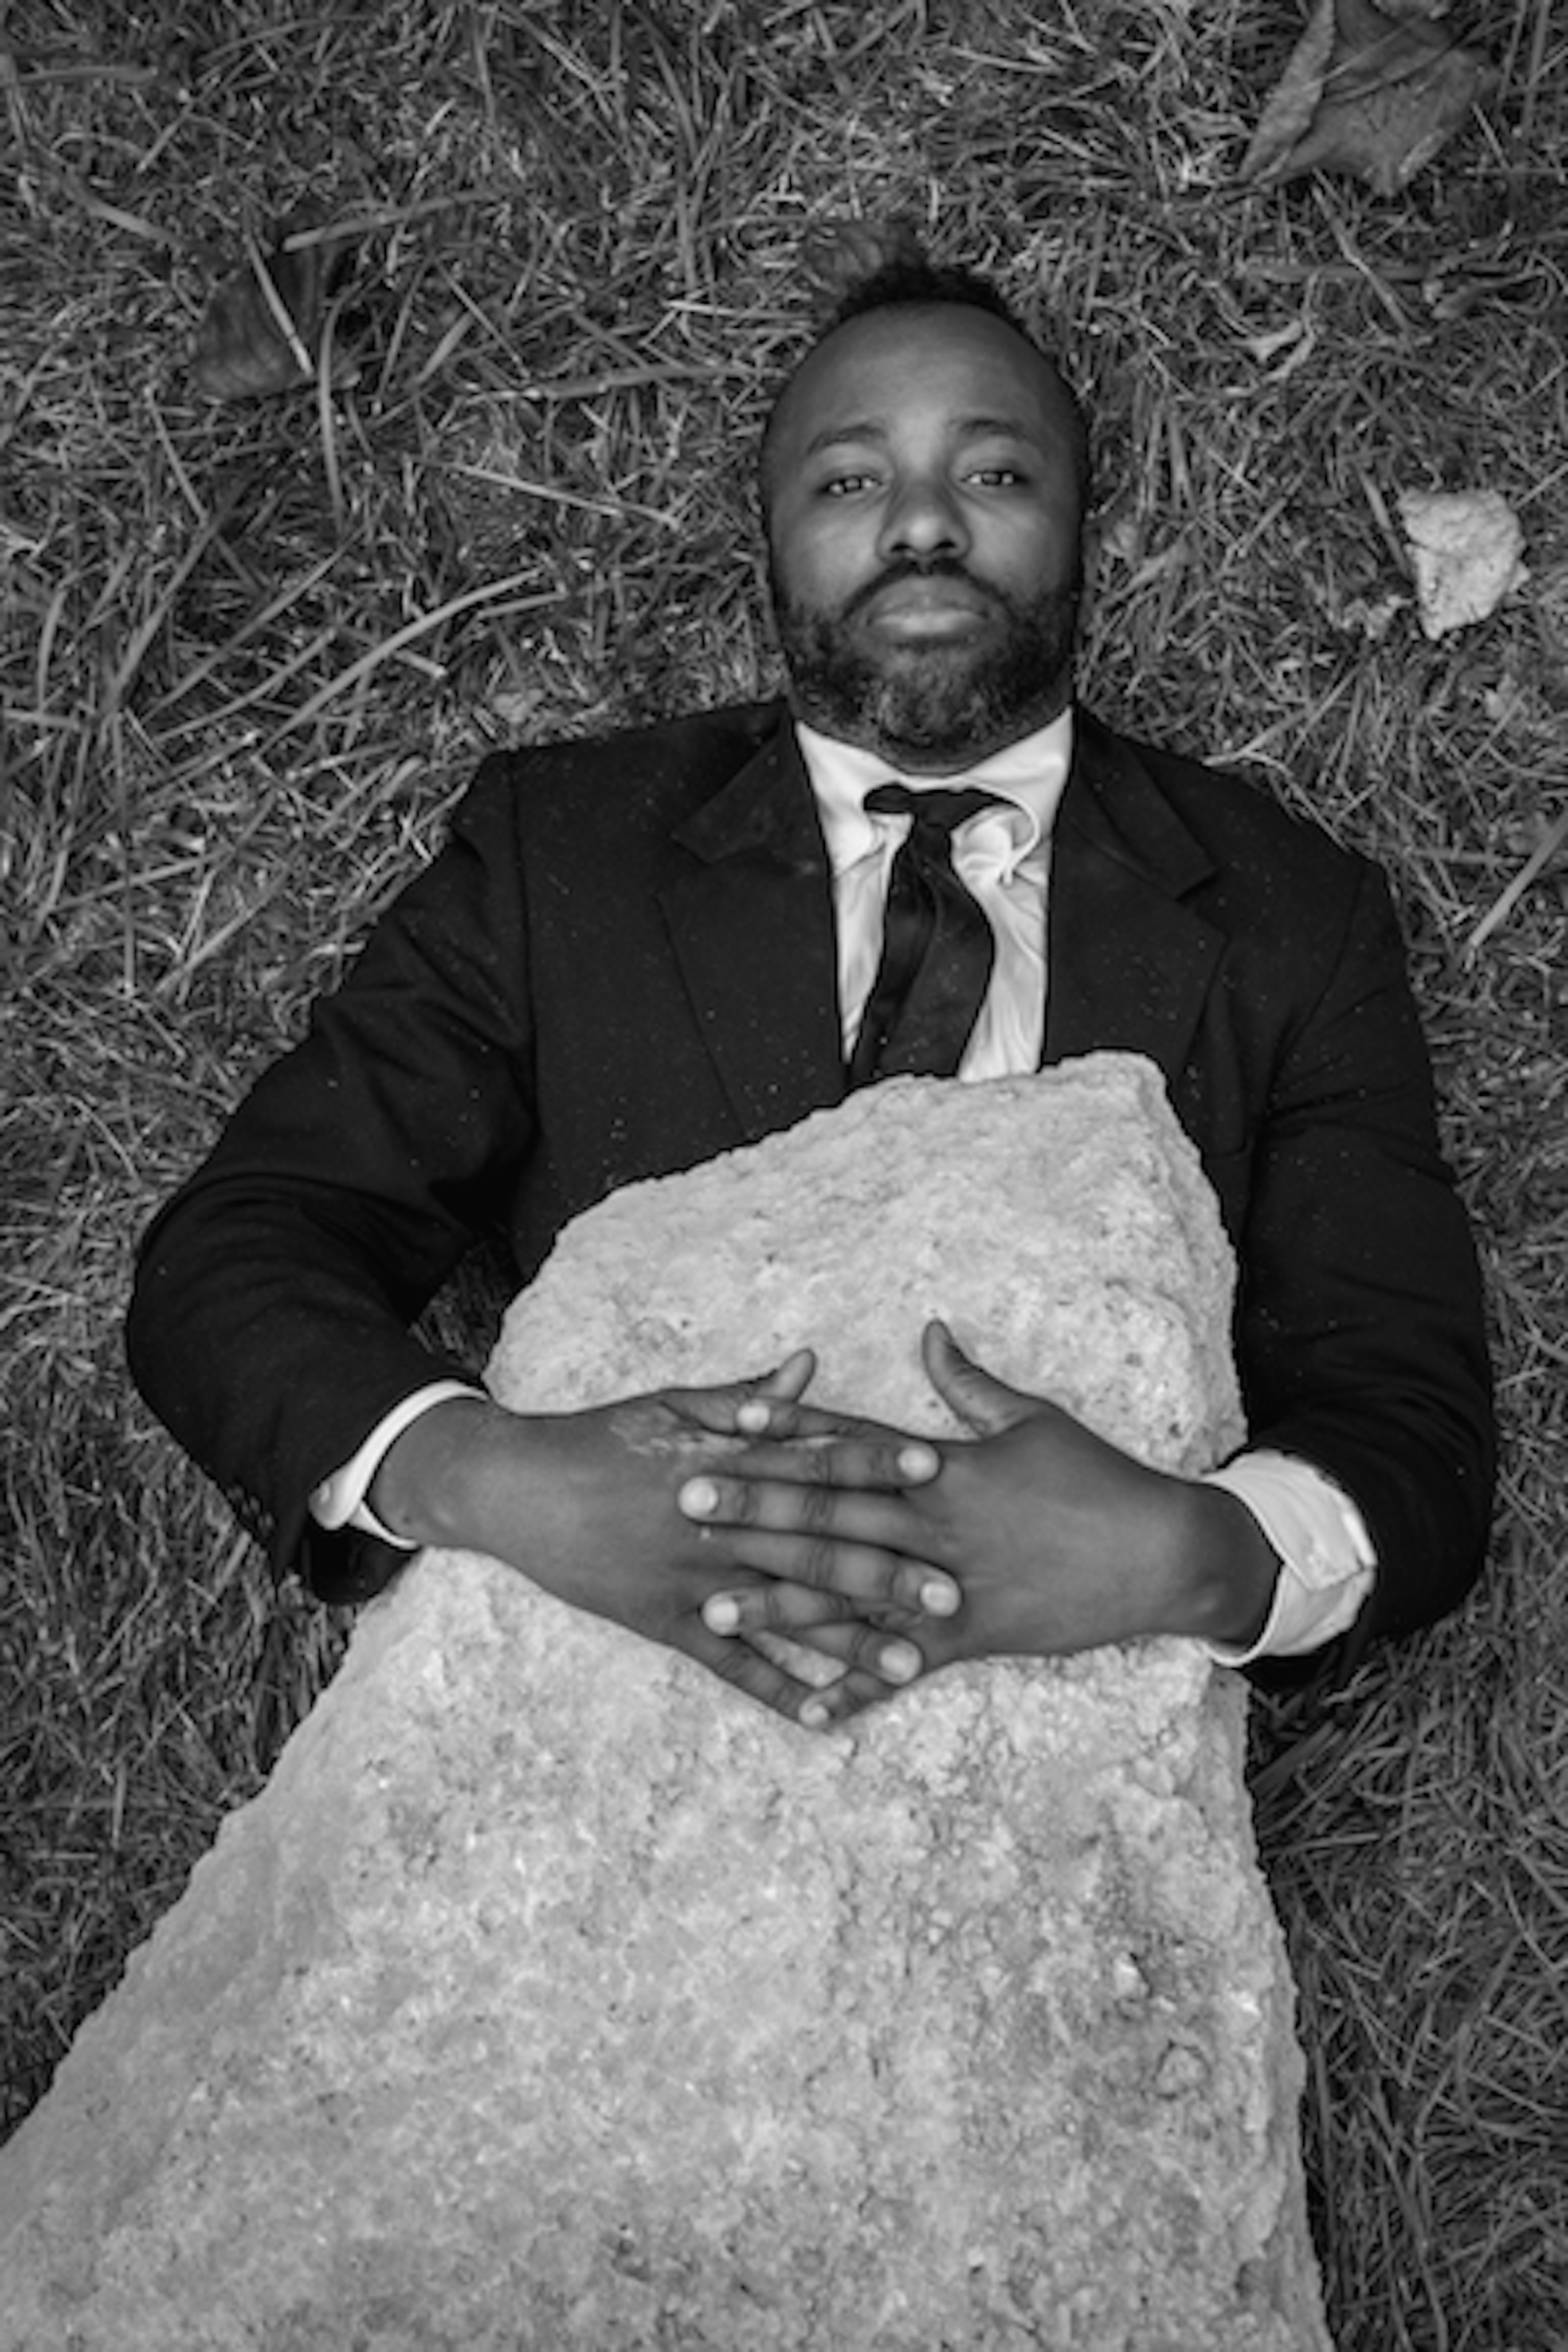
x,y
998,477
839,486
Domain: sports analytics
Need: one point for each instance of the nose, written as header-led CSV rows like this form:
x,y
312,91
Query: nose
x,y
923,519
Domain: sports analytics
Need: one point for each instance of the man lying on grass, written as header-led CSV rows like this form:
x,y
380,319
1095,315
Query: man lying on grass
x,y
638,952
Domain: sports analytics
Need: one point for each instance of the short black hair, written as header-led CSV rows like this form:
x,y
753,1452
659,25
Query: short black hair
x,y
908,280
912,281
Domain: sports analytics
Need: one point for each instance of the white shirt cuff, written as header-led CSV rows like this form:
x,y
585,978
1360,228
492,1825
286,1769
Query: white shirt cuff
x,y
339,1501
1326,1556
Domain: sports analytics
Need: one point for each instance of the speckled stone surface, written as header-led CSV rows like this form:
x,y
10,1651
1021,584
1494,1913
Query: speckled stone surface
x,y
553,1998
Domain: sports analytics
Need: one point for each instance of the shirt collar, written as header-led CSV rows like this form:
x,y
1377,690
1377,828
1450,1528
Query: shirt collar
x,y
1031,773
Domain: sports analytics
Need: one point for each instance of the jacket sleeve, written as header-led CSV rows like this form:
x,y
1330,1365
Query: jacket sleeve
x,y
1359,1326
268,1324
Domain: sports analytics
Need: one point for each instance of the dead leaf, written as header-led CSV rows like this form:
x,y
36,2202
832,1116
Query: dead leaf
x,y
1293,102
1368,92
261,330
1465,549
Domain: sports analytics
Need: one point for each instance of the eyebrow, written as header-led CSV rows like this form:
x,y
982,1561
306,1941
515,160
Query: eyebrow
x,y
968,428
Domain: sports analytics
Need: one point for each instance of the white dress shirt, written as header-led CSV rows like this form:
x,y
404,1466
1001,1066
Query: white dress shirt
x,y
1003,856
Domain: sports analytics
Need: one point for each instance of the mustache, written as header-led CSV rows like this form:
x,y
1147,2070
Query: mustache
x,y
912,567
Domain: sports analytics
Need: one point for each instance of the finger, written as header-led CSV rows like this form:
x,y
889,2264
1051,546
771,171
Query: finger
x,y
812,1506
851,1694
761,1679
853,1643
724,1408
783,1417
819,1620
980,1400
781,1534
808,1447
861,1501
789,1380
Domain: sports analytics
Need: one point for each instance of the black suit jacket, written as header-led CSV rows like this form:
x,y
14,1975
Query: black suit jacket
x,y
624,964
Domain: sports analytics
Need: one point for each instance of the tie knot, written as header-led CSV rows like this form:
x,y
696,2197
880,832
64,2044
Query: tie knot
x,y
943,806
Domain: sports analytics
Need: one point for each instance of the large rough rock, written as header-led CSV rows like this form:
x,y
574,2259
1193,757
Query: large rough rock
x,y
553,1998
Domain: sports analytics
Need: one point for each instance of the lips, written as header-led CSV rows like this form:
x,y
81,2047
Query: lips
x,y
928,608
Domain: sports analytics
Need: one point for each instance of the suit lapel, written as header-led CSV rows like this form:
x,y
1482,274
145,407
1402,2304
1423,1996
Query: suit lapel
x,y
1130,965
751,925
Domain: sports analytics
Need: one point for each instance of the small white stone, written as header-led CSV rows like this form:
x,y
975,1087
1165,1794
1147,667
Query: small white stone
x,y
1465,549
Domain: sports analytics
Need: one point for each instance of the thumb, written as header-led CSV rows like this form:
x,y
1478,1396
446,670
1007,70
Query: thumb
x,y
986,1405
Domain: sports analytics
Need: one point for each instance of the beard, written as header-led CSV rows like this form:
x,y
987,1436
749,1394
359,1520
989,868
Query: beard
x,y
939,706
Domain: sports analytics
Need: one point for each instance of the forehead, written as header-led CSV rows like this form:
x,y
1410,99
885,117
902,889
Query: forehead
x,y
889,370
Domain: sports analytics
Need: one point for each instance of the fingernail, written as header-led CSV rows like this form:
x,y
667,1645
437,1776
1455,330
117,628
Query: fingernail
x,y
721,1614
753,1416
900,1663
699,1498
814,1716
919,1462
940,1597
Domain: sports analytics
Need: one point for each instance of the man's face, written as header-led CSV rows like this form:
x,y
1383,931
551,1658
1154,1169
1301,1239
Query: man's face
x,y
923,528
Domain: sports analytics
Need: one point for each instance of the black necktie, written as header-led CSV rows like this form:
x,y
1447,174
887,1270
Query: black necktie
x,y
937,948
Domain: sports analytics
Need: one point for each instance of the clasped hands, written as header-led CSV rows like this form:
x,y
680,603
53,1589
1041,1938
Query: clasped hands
x,y
712,1519
897,1555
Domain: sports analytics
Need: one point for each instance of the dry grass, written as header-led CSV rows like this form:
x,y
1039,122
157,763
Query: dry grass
x,y
252,650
